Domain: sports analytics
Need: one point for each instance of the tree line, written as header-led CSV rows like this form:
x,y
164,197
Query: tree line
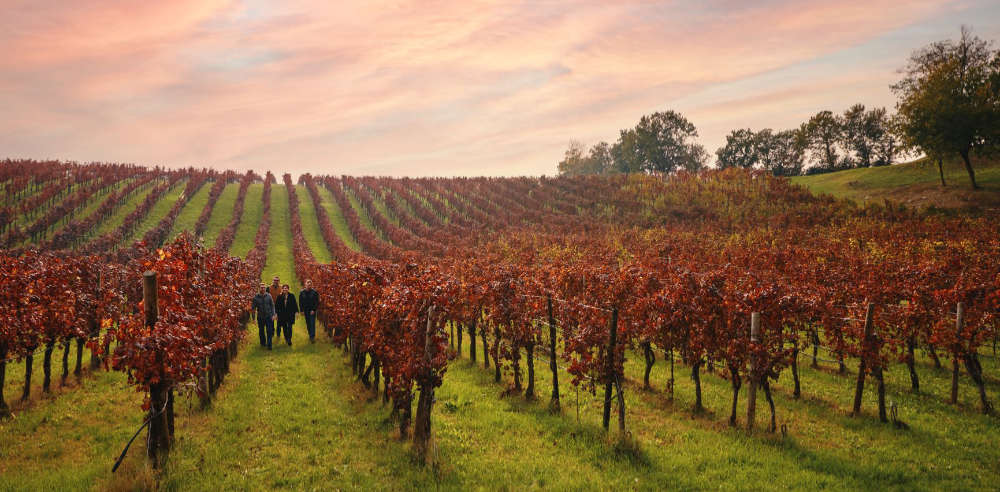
x,y
948,106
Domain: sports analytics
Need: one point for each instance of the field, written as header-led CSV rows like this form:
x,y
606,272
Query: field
x,y
681,262
915,184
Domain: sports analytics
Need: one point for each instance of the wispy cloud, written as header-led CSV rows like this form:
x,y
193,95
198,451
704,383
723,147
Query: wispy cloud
x,y
427,87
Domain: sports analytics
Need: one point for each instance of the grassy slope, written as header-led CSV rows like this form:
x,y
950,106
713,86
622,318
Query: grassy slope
x,y
253,209
294,419
191,211
159,210
310,226
89,207
915,183
28,216
363,215
345,441
116,218
336,217
222,213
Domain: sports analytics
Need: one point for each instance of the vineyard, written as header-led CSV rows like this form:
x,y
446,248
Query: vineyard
x,y
626,331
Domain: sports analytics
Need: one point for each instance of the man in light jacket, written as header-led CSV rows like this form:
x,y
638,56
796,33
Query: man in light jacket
x,y
263,308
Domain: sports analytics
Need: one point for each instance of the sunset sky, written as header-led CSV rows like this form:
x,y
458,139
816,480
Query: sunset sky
x,y
434,87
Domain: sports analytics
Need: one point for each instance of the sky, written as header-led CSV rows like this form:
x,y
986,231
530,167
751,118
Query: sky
x,y
434,87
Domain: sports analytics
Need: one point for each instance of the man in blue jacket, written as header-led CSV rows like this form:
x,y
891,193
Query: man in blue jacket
x,y
308,303
263,308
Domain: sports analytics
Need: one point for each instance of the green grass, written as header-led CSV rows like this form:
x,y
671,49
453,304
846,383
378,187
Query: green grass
x,y
6,199
916,183
222,213
70,440
310,225
336,217
253,210
159,210
407,209
427,204
92,204
383,209
365,219
118,216
295,419
27,218
191,210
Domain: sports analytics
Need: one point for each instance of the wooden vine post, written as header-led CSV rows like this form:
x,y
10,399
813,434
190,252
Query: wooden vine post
x,y
611,375
157,441
752,390
959,324
554,404
863,367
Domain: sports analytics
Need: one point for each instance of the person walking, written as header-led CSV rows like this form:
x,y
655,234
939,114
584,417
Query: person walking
x,y
286,308
308,303
263,309
275,290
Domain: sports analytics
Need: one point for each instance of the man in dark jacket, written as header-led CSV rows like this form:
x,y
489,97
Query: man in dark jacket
x,y
263,308
286,308
308,302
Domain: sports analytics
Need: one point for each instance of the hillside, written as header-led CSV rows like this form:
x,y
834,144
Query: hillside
x,y
916,184
489,252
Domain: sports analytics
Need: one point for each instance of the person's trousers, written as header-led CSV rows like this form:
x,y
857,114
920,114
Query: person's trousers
x,y
277,328
286,326
266,326
311,324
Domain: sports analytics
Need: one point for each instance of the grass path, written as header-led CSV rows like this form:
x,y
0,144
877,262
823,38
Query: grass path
x,y
336,217
93,202
190,212
253,209
282,420
159,210
310,226
222,212
118,216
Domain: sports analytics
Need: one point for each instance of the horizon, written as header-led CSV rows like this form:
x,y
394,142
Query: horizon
x,y
456,90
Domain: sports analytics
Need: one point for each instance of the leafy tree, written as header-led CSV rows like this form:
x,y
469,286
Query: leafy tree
x,y
949,99
781,153
625,153
868,135
574,162
742,149
601,160
661,142
860,131
823,132
785,151
887,147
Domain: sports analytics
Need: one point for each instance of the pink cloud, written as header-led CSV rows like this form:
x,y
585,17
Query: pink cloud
x,y
408,87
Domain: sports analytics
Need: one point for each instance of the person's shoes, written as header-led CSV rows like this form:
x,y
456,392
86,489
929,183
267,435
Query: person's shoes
x,y
312,340
269,347
289,344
